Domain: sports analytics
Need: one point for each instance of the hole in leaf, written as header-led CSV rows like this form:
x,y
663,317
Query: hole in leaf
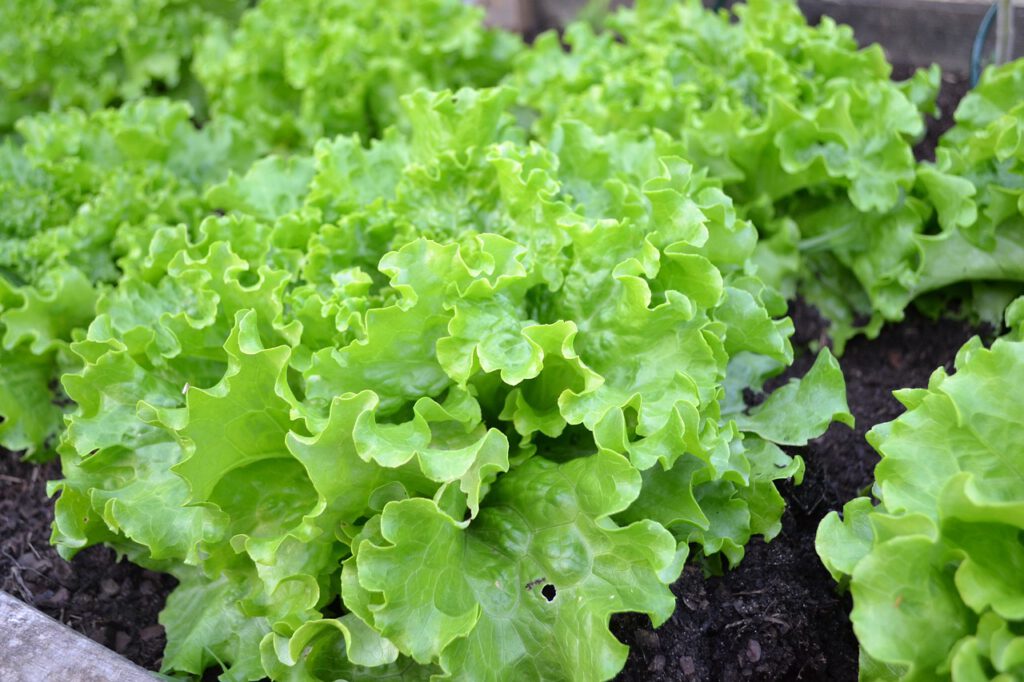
x,y
549,592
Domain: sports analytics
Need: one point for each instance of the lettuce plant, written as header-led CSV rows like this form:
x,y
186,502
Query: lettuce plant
x,y
977,188
91,53
936,566
80,192
84,190
960,231
807,132
435,405
297,70
404,383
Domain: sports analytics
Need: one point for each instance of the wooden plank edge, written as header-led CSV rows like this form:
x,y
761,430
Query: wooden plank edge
x,y
512,15
912,32
35,647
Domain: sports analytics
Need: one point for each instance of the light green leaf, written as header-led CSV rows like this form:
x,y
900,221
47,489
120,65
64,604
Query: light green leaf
x,y
241,420
206,626
515,585
802,409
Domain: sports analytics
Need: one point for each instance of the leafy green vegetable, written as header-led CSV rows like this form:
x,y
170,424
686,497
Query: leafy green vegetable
x,y
935,567
799,411
982,225
408,383
806,132
512,593
87,191
472,387
959,233
297,70
813,142
91,53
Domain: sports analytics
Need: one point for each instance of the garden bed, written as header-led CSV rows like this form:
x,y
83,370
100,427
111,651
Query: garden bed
x,y
777,616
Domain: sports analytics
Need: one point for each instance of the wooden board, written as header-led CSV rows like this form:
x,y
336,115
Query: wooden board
x,y
511,15
916,31
913,32
34,648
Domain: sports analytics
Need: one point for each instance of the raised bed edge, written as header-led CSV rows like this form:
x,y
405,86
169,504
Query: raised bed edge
x,y
35,647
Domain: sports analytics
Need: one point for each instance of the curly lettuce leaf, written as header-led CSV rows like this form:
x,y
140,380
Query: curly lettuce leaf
x,y
91,54
300,71
510,593
934,568
801,410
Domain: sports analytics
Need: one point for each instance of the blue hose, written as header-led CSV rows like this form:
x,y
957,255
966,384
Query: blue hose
x,y
979,42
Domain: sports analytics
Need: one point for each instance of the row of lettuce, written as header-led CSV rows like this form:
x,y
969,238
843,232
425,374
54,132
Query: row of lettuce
x,y
401,379
935,567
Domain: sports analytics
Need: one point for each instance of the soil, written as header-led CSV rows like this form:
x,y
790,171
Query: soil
x,y
778,616
952,89
114,603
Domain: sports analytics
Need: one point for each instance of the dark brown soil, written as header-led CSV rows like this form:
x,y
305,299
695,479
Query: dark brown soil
x,y
952,89
778,615
114,603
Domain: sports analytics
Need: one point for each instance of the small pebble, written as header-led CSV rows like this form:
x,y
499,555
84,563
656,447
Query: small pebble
x,y
648,639
29,560
101,634
151,632
109,587
753,651
657,664
686,665
57,598
744,608
121,642
691,604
